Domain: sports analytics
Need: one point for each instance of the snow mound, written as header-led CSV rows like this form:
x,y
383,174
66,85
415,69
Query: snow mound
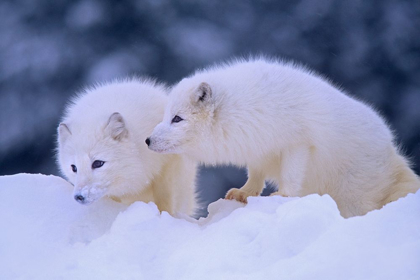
x,y
47,235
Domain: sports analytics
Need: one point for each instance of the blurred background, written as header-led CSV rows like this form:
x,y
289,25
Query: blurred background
x,y
51,49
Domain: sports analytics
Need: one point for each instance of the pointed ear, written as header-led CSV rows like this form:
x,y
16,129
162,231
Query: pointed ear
x,y
116,127
203,94
63,133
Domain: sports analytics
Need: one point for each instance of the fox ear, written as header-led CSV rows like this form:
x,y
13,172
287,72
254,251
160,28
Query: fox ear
x,y
116,127
204,93
63,133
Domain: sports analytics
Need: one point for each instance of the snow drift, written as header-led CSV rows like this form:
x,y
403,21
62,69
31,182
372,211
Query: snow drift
x,y
47,235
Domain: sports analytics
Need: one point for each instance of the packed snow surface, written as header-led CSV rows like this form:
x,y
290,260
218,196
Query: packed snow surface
x,y
45,234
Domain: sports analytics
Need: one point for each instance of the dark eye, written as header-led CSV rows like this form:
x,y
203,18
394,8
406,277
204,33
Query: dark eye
x,y
97,164
177,119
74,168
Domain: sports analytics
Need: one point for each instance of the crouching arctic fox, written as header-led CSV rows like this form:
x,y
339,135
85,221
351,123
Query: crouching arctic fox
x,y
287,125
101,154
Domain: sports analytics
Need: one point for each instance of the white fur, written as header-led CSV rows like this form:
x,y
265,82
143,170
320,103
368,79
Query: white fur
x,y
110,123
288,125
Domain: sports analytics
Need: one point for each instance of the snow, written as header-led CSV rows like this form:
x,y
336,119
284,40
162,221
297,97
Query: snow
x,y
47,235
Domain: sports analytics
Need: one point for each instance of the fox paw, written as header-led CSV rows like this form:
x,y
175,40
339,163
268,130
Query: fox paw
x,y
237,194
278,193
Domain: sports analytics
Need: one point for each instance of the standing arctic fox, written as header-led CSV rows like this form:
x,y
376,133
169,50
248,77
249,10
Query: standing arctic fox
x,y
288,125
100,151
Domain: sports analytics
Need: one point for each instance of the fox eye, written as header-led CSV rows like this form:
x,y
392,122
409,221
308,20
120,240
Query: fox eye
x,y
74,168
177,119
97,164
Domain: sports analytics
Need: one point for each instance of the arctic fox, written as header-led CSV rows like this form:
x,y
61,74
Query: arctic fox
x,y
101,154
287,125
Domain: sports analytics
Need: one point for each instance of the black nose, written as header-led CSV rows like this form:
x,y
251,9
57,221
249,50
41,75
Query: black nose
x,y
148,141
79,198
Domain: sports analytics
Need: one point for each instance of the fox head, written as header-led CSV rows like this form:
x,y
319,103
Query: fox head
x,y
90,159
187,119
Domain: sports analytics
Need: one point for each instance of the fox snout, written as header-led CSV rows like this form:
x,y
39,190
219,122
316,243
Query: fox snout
x,y
153,144
79,198
88,195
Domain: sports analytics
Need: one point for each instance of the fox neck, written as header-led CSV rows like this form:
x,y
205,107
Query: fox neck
x,y
219,146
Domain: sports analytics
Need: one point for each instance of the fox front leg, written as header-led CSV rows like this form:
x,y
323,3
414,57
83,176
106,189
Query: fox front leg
x,y
253,187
